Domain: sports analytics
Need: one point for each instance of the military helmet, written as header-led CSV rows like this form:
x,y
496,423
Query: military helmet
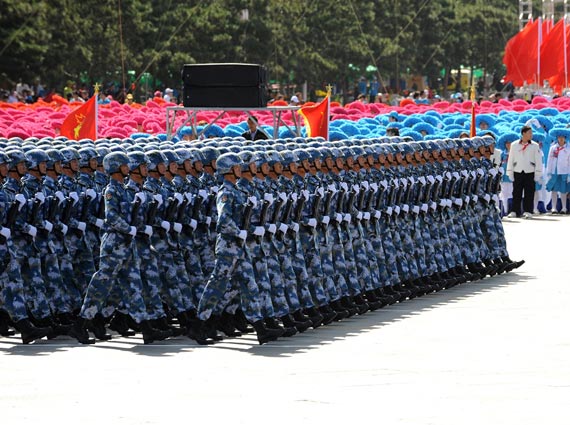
x,y
272,157
155,157
183,155
136,159
171,156
226,161
209,154
53,156
34,157
302,155
289,157
69,154
101,152
113,161
4,159
16,156
85,155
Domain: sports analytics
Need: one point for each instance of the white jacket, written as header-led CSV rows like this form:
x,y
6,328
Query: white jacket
x,y
528,160
560,165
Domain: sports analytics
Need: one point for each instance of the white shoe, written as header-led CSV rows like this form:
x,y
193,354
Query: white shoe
x,y
527,215
563,212
512,214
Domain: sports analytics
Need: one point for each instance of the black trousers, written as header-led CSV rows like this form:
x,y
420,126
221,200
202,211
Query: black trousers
x,y
523,186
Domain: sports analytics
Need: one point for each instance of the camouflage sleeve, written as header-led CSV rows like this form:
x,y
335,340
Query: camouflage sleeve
x,y
227,215
113,217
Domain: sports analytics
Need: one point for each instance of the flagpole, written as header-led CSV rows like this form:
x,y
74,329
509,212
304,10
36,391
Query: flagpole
x,y
96,94
329,91
565,55
538,83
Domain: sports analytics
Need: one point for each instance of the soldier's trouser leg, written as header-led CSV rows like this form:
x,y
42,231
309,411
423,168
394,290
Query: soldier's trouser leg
x,y
150,277
34,287
278,297
12,295
301,274
261,277
314,268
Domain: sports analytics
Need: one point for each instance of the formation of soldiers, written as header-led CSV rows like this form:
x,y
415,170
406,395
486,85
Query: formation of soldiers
x,y
227,236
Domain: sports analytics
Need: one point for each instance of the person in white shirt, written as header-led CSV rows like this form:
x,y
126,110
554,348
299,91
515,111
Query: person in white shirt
x,y
524,168
558,168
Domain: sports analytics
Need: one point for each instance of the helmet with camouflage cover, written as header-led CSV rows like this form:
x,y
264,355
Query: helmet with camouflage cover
x,y
112,162
136,159
225,162
155,157
34,157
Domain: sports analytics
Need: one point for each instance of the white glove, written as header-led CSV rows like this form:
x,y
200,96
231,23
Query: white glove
x,y
305,194
59,196
259,231
252,200
4,231
374,186
448,175
455,174
377,214
493,172
347,218
424,208
332,188
177,227
242,235
344,186
165,225
416,209
294,227
268,197
203,194
464,173
396,210
448,203
431,179
282,195
208,220
439,178
312,222
384,183
32,231
21,199
140,196
480,171
148,230
215,189
294,197
81,225
442,202
326,219
283,228
158,198
433,205
40,197
475,198
188,197
458,202
338,217
404,182
405,208
179,198
511,176
90,193
64,229
389,211
467,199
133,231
272,228
193,224
99,223
396,181
412,180
359,215
74,196
355,188
48,226
321,191
365,185
487,197
366,215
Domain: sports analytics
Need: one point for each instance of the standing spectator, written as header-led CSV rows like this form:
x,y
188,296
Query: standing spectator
x,y
254,133
75,97
168,95
558,169
524,168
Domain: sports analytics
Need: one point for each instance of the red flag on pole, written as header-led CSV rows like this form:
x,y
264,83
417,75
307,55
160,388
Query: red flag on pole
x,y
81,123
317,118
473,131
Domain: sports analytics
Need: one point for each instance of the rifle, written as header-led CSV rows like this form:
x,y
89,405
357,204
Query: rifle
x,y
11,216
263,217
285,218
246,218
136,205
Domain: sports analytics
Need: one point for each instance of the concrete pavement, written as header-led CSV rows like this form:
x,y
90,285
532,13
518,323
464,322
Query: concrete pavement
x,y
492,352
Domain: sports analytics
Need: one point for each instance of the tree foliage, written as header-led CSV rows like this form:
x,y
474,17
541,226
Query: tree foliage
x,y
317,41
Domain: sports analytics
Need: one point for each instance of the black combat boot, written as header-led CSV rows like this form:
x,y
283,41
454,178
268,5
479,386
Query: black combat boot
x,y
29,332
197,330
227,326
328,314
264,334
79,331
162,324
350,306
97,326
290,322
150,334
241,323
5,322
512,264
315,317
119,324
341,312
272,323
212,328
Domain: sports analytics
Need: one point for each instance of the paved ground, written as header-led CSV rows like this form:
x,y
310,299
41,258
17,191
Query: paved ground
x,y
494,352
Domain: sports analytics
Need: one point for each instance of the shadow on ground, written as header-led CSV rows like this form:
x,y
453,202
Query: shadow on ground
x,y
285,347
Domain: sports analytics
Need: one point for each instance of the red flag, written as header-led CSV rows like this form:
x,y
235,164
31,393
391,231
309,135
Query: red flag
x,y
551,51
522,54
81,123
317,118
473,131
